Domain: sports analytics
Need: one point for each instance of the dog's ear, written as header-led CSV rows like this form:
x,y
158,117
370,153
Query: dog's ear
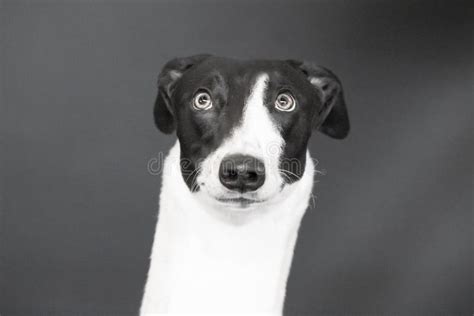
x,y
333,119
172,71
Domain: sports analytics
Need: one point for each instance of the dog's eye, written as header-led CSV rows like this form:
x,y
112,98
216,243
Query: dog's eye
x,y
285,102
202,101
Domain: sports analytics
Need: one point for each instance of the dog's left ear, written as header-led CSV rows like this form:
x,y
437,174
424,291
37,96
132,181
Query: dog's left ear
x,y
332,119
173,70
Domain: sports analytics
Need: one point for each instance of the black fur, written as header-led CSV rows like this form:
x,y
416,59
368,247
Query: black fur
x,y
228,81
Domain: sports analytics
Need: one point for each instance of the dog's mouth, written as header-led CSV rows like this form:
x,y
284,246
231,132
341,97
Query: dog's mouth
x,y
241,202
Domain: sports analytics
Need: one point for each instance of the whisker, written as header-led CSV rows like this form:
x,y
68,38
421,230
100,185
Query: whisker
x,y
286,176
290,173
321,172
193,172
313,199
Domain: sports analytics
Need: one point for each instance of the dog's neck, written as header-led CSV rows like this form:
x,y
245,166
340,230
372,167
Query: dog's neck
x,y
206,260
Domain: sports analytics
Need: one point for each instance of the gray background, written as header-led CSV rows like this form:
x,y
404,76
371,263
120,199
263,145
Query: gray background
x,y
391,230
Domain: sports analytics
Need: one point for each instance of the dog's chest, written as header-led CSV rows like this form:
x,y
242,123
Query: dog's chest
x,y
201,263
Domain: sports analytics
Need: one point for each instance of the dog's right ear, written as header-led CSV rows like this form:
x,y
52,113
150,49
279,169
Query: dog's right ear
x,y
173,70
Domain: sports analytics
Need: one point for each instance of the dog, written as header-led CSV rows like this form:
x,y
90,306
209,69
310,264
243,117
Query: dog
x,y
238,180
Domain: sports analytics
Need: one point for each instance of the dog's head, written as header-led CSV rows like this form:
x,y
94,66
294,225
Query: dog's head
x,y
244,126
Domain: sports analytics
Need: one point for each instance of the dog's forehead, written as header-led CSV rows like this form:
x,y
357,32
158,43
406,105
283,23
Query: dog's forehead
x,y
244,72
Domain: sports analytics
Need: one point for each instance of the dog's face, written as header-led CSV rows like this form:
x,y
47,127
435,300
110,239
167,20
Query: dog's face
x,y
244,126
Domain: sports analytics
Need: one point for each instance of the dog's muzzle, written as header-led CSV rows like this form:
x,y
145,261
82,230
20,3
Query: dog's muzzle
x,y
242,173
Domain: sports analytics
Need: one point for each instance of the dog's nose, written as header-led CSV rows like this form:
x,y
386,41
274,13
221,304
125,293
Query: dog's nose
x,y
242,173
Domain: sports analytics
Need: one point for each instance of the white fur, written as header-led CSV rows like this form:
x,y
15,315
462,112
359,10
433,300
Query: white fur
x,y
208,258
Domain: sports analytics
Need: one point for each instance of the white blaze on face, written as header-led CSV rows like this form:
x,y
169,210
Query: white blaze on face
x,y
255,136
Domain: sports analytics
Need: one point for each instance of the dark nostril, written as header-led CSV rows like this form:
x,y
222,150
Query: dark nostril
x,y
251,176
229,174
242,173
